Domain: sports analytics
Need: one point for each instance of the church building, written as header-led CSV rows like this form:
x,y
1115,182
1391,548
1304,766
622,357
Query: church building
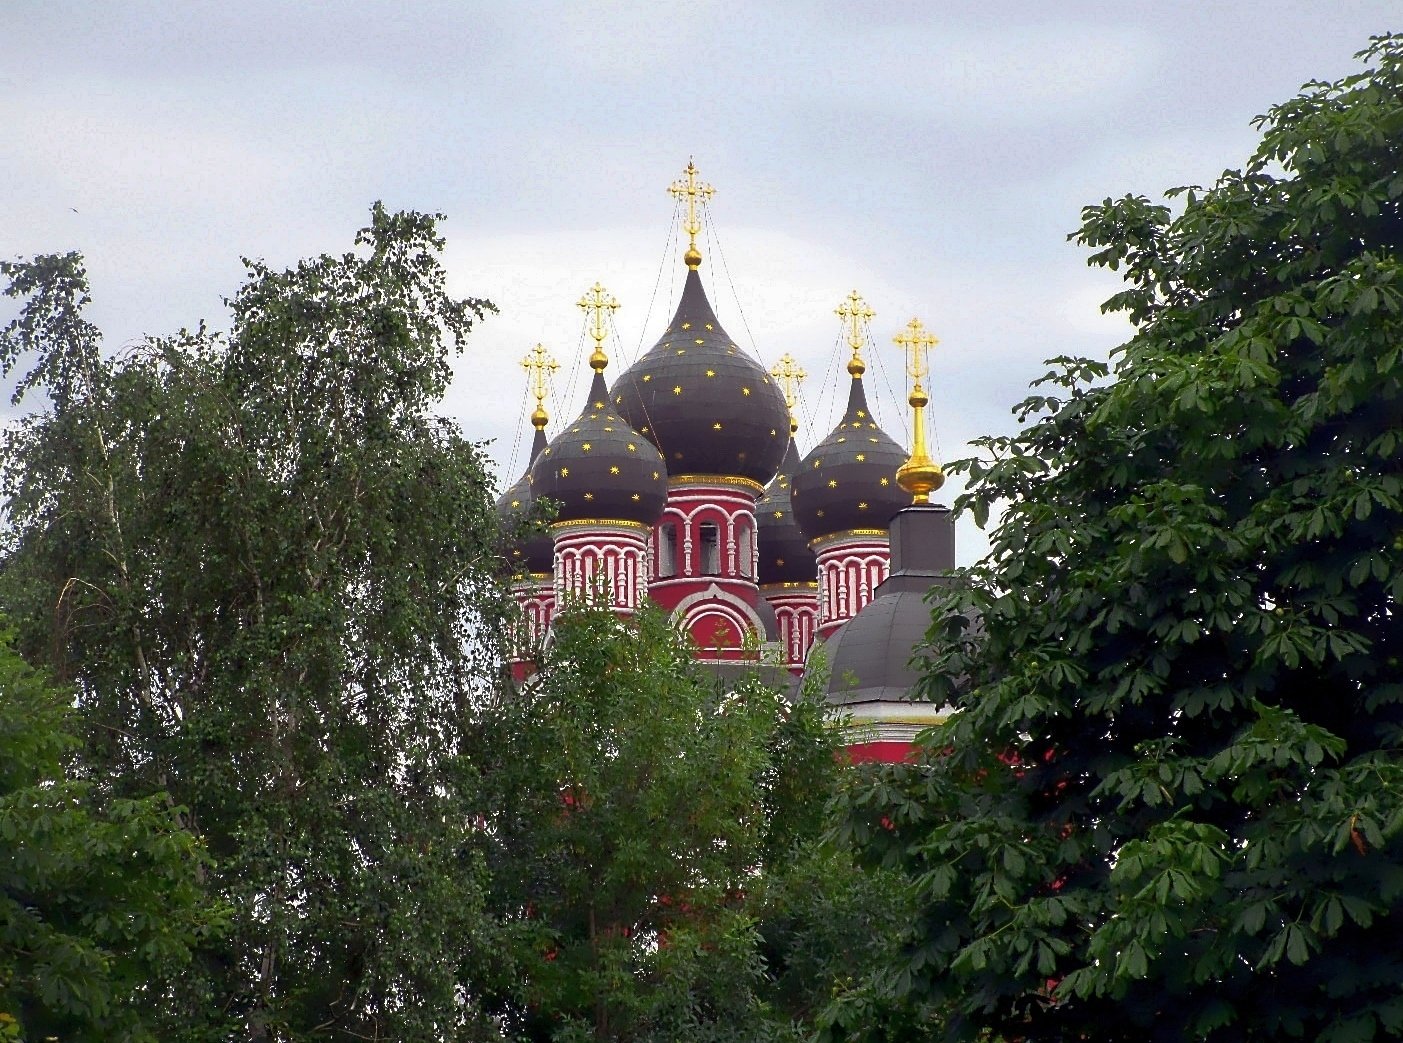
x,y
681,482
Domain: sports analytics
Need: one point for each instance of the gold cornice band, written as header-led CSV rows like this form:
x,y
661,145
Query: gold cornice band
x,y
565,528
824,542
777,588
677,481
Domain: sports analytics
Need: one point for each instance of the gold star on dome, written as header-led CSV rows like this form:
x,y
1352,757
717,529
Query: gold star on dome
x,y
862,506
681,351
700,341
634,497
861,413
647,377
586,446
745,391
686,325
716,426
832,483
516,503
656,476
589,496
677,390
816,463
565,472
886,481
779,514
709,326
632,448
819,512
614,469
609,429
711,373
861,457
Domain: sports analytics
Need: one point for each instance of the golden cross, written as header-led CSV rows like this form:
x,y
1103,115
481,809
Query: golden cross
x,y
919,475
598,305
854,312
695,192
790,376
916,341
539,364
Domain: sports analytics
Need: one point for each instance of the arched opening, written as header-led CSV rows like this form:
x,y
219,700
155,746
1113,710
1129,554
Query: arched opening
x,y
667,550
709,540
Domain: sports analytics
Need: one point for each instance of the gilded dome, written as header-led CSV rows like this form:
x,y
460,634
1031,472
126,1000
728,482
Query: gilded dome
x,y
785,556
707,406
600,467
848,481
525,551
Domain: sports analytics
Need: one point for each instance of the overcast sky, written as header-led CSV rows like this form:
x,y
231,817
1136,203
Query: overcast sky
x,y
933,156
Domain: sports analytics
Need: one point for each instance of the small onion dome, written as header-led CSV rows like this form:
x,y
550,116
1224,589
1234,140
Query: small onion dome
x,y
600,467
533,553
784,553
848,481
706,405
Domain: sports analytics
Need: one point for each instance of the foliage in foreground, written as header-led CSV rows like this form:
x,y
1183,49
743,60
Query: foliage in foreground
x,y
99,902
639,811
1171,804
265,569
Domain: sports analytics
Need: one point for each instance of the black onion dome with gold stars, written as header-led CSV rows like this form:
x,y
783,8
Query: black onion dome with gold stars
x,y
848,481
785,556
600,468
708,407
529,551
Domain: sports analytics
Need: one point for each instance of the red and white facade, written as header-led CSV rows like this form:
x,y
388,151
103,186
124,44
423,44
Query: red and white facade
x,y
703,562
604,562
851,566
795,606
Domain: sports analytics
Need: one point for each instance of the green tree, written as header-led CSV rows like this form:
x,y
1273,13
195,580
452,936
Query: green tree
x,y
637,809
264,567
1171,803
99,902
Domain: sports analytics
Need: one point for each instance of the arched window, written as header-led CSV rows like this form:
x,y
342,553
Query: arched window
x,y
746,551
710,537
667,550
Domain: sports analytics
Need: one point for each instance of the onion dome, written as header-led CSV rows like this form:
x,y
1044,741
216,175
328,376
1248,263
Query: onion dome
x,y
848,481
525,551
707,406
600,468
785,556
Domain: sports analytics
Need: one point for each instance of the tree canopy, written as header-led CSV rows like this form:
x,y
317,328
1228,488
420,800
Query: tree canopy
x,y
1170,804
265,569
639,809
100,904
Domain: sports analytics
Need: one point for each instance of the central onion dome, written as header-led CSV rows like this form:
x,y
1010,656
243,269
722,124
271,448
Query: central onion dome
x,y
785,556
525,552
708,407
600,468
848,481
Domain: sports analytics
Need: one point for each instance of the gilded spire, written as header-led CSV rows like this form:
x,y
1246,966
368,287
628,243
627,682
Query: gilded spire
x,y
539,365
855,315
694,192
790,376
919,475
598,305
